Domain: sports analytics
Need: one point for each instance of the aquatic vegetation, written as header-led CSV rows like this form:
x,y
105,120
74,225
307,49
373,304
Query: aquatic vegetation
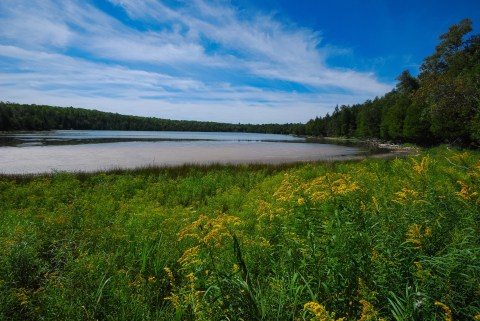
x,y
368,240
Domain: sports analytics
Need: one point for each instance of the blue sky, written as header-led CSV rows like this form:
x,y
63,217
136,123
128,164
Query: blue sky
x,y
248,61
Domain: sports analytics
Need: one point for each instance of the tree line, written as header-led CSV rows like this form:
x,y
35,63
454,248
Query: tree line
x,y
14,117
441,104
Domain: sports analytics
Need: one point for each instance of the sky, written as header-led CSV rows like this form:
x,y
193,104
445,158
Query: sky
x,y
235,61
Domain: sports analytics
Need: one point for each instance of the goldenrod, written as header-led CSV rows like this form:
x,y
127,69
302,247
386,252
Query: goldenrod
x,y
416,234
420,168
368,312
446,310
320,313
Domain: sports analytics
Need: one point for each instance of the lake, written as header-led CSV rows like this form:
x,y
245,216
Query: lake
x,y
88,150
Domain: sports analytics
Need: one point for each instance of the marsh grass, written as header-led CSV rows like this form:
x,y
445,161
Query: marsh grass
x,y
368,240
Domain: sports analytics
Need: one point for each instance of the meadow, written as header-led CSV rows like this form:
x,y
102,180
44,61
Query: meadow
x,y
362,240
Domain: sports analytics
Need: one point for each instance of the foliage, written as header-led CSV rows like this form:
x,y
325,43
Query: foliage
x,y
370,240
39,117
441,105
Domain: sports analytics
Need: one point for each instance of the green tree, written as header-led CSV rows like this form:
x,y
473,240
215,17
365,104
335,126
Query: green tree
x,y
449,84
452,42
406,83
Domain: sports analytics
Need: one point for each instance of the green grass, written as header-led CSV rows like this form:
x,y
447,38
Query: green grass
x,y
369,240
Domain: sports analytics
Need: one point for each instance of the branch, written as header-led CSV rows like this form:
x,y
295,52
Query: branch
x,y
459,166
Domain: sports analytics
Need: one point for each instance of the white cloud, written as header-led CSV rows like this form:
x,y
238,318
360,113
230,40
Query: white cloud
x,y
196,61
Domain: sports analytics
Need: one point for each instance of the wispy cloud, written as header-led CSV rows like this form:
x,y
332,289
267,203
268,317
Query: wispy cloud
x,y
195,60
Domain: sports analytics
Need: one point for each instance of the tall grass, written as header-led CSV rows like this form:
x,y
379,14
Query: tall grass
x,y
369,240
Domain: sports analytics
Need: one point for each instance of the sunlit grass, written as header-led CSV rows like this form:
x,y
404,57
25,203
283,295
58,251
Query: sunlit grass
x,y
369,240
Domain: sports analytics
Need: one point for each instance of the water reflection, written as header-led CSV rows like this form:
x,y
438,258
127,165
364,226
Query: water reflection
x,y
73,137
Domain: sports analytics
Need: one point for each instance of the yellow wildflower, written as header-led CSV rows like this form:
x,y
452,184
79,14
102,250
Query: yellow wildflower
x,y
171,278
286,190
421,273
265,210
375,204
22,295
446,310
191,280
363,207
375,255
235,268
466,191
416,234
461,157
408,196
325,187
173,297
343,185
210,232
368,312
190,257
138,282
319,312
420,168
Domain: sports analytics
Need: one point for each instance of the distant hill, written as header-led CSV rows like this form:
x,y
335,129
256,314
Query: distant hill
x,y
16,117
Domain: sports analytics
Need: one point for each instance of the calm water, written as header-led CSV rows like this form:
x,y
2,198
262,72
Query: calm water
x,y
74,150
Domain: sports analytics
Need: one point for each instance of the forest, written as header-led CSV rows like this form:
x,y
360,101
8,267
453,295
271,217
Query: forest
x,y
15,116
441,104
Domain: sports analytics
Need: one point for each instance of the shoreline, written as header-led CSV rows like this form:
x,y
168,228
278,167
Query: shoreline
x,y
372,143
391,154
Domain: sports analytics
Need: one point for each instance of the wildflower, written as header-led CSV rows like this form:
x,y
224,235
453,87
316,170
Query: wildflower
x,y
421,273
22,295
317,189
418,303
416,234
420,168
375,255
286,190
235,268
368,312
375,204
363,207
325,187
477,317
320,313
186,297
138,282
446,310
191,280
210,232
264,210
408,195
173,297
461,157
190,257
343,185
171,278
465,191
364,292
301,201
